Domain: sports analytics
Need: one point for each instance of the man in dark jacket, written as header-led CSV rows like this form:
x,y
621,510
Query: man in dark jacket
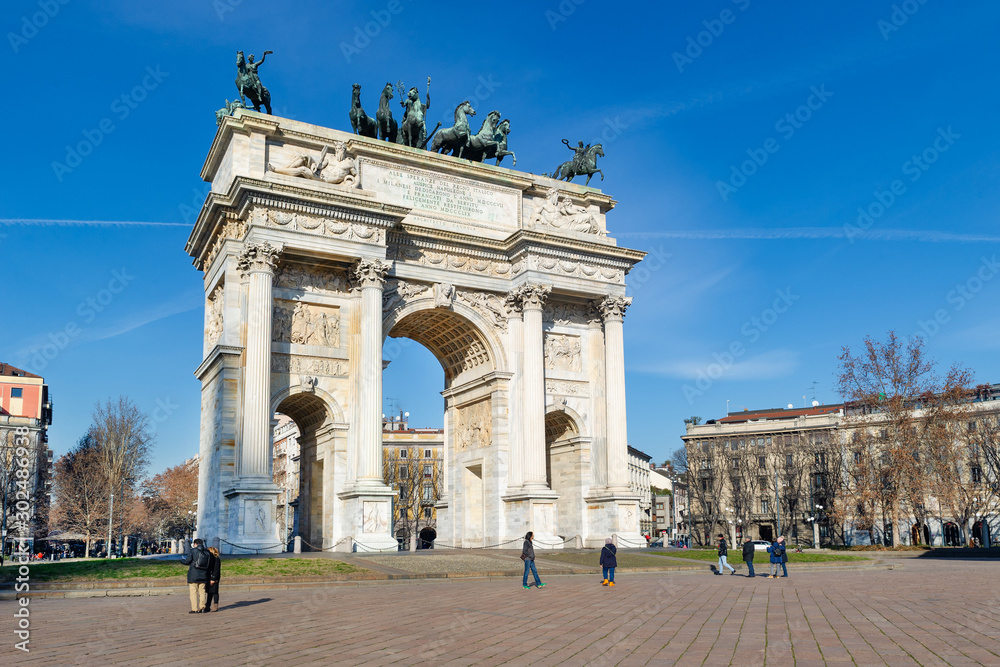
x,y
198,561
748,550
723,555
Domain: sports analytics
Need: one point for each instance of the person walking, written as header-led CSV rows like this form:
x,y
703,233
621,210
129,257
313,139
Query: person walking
x,y
748,552
528,556
212,590
609,561
723,555
198,560
784,557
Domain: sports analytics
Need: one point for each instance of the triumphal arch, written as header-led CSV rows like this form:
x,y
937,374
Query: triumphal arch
x,y
315,246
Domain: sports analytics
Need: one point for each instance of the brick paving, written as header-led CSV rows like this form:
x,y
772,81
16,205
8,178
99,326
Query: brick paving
x,y
928,612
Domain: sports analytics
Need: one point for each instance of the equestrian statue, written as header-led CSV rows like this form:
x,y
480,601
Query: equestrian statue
x,y
584,162
362,123
248,82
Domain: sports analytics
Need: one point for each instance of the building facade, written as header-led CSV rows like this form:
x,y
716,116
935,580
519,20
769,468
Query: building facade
x,y
806,474
25,416
286,474
638,481
413,464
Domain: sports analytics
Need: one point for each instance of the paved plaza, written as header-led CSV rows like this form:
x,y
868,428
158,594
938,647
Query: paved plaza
x,y
926,612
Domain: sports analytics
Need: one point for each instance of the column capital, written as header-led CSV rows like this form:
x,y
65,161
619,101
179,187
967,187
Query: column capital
x,y
370,273
533,296
614,307
258,257
512,305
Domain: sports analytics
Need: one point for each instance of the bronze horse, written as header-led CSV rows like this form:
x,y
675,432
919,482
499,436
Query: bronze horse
x,y
387,129
455,138
567,171
244,83
362,123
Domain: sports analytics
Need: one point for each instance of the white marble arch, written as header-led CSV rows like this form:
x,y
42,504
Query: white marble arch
x,y
372,256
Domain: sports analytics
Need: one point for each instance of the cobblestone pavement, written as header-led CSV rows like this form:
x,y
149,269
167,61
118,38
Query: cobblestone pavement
x,y
927,612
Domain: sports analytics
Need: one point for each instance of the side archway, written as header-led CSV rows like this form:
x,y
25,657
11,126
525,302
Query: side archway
x,y
567,467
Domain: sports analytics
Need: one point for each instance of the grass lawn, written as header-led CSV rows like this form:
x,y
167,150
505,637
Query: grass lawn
x,y
736,557
136,568
592,559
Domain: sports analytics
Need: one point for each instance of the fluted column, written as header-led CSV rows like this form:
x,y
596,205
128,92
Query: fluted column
x,y
599,400
370,277
533,390
515,399
613,310
257,262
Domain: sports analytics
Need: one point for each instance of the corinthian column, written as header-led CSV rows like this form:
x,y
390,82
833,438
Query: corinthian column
x,y
515,400
257,262
370,276
533,390
613,310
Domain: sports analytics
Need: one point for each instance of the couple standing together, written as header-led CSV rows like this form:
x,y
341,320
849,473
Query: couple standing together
x,y
204,570
777,552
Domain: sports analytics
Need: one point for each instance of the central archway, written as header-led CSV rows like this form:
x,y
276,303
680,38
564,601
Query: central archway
x,y
467,511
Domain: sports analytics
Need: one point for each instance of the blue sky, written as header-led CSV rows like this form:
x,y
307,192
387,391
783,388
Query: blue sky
x,y
824,107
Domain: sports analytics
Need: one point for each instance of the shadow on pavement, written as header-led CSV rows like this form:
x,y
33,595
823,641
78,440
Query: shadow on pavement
x,y
244,603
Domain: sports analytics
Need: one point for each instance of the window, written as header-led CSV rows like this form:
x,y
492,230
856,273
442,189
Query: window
x,y
404,471
788,459
428,492
765,507
659,506
16,392
972,424
760,442
761,461
427,453
402,453
706,485
427,470
977,474
402,493
819,481
736,486
708,508
821,458
857,457
762,482
824,530
769,440
735,463
742,444
427,512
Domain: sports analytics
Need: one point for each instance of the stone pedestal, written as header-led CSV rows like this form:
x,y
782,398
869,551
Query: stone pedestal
x,y
369,517
535,511
252,525
614,515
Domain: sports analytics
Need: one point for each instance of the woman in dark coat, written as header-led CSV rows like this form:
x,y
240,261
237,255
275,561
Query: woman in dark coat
x,y
212,587
609,561
528,556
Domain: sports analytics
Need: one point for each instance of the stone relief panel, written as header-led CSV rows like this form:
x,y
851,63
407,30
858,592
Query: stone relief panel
x,y
562,352
544,518
562,213
256,517
628,520
566,388
301,365
302,324
488,305
376,516
474,425
214,321
315,224
310,279
566,313
398,292
450,260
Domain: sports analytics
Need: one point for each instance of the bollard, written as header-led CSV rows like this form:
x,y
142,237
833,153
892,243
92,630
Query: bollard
x,y
217,543
298,544
614,540
579,542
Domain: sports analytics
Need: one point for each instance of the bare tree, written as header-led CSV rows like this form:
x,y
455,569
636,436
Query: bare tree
x,y
705,487
81,492
121,432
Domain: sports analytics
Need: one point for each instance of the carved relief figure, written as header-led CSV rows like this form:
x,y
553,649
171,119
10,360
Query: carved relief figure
x,y
474,426
444,295
308,279
283,363
397,292
376,516
562,213
490,305
562,352
342,170
303,325
214,324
